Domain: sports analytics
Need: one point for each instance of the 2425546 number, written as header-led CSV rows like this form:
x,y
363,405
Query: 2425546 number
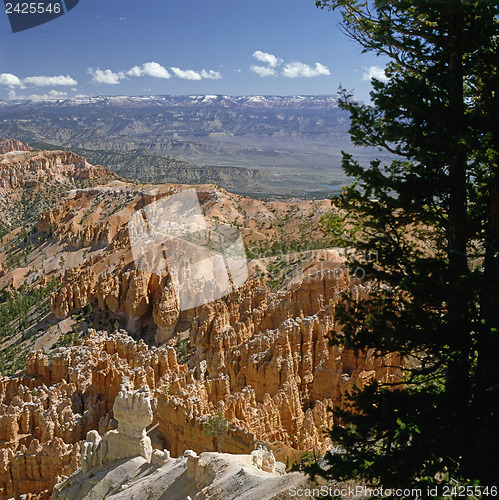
x,y
32,8
467,491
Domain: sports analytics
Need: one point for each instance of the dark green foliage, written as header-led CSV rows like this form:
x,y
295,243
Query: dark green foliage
x,y
263,250
307,461
17,305
68,339
183,350
18,313
431,218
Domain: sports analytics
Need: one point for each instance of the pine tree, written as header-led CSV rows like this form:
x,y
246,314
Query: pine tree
x,y
217,426
432,218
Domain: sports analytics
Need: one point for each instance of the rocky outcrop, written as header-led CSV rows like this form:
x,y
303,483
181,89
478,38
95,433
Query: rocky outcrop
x,y
10,145
30,170
40,430
132,410
32,181
45,415
262,359
217,476
98,217
130,293
111,464
263,362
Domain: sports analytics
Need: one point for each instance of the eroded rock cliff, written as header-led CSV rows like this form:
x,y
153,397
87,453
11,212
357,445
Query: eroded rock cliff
x,y
121,464
262,361
10,145
260,358
29,169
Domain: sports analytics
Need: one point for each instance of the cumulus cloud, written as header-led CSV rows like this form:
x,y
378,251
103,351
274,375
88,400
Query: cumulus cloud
x,y
10,80
263,70
266,58
43,81
37,81
290,70
190,74
374,72
150,69
187,74
156,70
106,76
211,75
299,69
135,71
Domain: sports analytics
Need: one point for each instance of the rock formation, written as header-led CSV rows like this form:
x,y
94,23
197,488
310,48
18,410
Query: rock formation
x,y
98,217
217,476
262,361
259,358
32,181
132,410
122,464
10,145
28,170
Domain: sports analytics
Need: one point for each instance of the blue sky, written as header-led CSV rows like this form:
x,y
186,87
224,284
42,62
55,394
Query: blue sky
x,y
140,47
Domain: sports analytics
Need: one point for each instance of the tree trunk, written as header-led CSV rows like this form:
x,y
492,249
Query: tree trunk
x,y
487,406
458,386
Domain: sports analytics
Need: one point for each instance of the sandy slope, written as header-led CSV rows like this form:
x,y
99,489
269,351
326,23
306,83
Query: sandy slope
x,y
214,476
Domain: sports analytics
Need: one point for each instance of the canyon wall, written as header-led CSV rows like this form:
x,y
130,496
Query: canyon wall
x,y
262,360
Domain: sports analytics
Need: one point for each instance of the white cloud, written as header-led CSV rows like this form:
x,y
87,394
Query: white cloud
x,y
38,81
211,75
154,69
190,74
106,76
374,72
299,69
135,71
290,70
42,81
150,69
263,70
187,74
9,79
267,58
